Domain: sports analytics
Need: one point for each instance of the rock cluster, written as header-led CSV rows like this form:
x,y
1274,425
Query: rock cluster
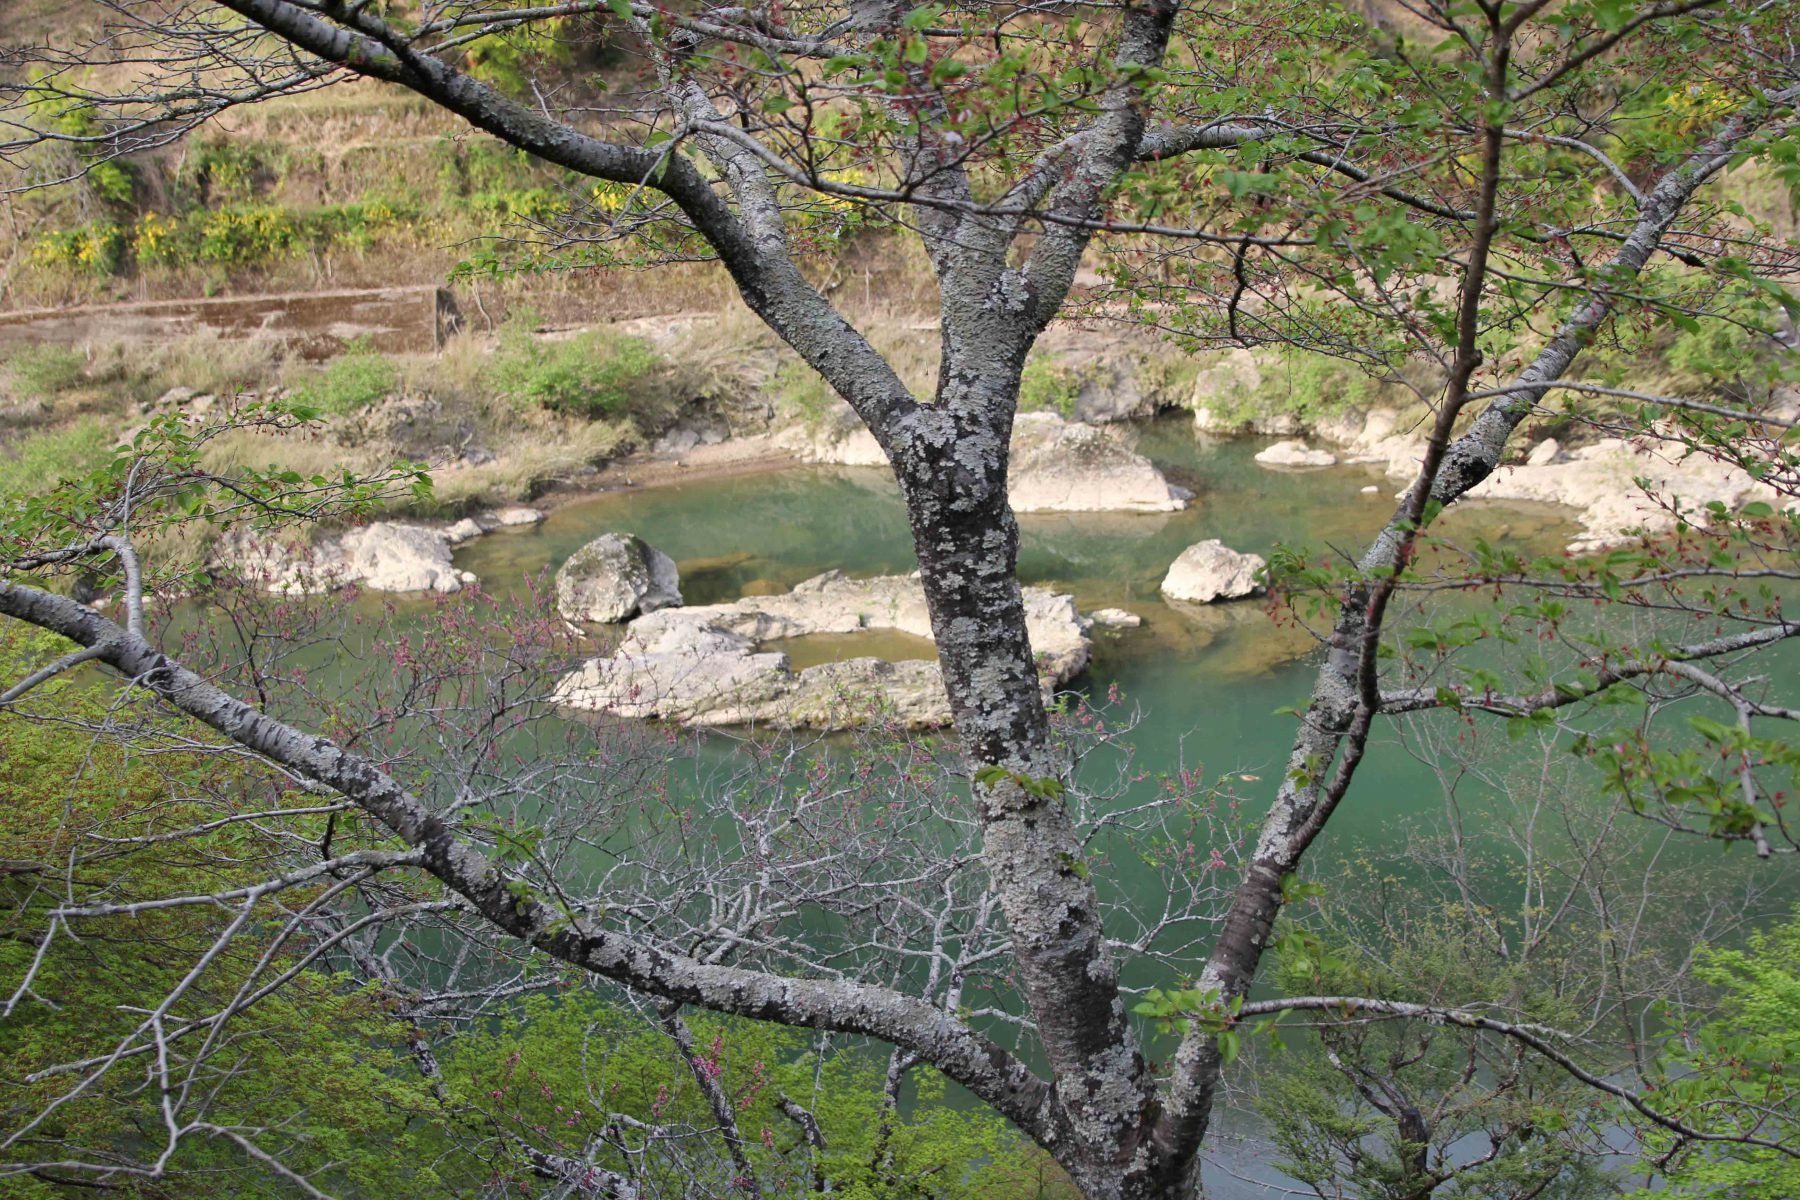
x,y
1055,465
1597,480
386,556
703,665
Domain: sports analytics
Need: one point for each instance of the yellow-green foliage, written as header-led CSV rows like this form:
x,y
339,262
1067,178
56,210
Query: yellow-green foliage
x,y
319,1064
43,371
1303,383
595,374
801,394
95,248
535,1073
1734,1073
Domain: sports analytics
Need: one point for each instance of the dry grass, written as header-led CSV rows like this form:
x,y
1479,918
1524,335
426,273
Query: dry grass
x,y
529,462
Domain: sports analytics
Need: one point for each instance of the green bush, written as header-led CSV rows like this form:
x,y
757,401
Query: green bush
x,y
32,465
227,172
592,375
96,247
1304,383
1046,386
44,371
250,233
801,393
349,384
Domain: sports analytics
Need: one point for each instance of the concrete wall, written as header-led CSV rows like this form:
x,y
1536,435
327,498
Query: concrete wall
x,y
317,325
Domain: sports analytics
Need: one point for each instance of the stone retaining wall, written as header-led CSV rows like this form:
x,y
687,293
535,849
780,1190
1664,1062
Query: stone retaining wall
x,y
317,325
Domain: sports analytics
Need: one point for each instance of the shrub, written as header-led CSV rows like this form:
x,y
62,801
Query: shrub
x,y
801,393
349,384
246,234
592,375
1046,386
95,248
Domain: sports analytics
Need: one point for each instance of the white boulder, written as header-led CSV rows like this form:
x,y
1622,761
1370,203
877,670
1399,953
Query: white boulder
x,y
1544,453
390,557
1211,570
387,556
514,516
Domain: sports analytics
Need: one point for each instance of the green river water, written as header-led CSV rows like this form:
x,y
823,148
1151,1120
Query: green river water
x,y
1207,685
1208,690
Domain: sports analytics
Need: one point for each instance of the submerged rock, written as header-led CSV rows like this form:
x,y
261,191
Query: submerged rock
x,y
702,665
1295,454
1209,571
614,578
513,516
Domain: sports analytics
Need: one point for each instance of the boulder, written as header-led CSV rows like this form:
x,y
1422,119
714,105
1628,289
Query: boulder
x,y
614,578
1115,618
677,668
690,434
1544,453
289,566
465,530
1065,466
1600,481
1295,454
514,516
1209,571
390,557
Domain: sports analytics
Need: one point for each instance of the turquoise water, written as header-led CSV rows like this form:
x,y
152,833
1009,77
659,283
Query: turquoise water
x,y
1207,680
1206,683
